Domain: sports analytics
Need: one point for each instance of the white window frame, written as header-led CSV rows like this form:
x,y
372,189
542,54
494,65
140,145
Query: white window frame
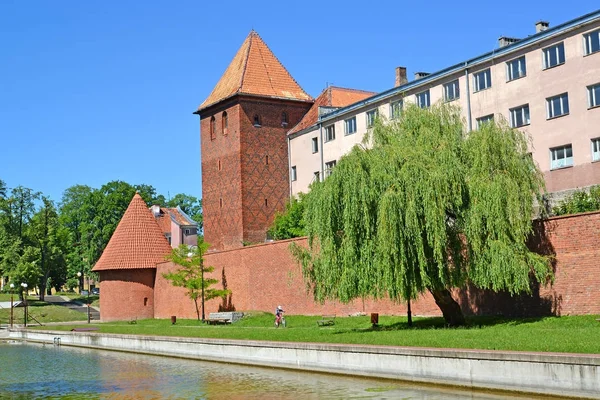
x,y
484,119
516,68
329,166
547,52
595,144
588,42
565,161
294,174
395,109
452,91
553,111
422,99
371,116
520,109
329,133
593,97
350,126
315,144
482,80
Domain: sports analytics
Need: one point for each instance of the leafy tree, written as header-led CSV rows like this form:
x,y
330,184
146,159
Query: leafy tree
x,y
290,223
3,189
580,201
20,208
44,232
190,205
426,208
27,269
191,273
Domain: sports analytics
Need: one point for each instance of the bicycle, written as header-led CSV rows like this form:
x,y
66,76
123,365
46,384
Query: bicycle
x,y
280,320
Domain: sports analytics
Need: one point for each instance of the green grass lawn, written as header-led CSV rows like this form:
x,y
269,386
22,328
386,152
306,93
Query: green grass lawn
x,y
573,334
43,312
94,299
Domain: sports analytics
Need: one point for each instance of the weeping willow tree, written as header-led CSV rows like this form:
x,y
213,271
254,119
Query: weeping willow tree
x,y
425,208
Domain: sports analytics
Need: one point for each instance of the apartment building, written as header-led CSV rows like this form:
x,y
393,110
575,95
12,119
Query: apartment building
x,y
547,84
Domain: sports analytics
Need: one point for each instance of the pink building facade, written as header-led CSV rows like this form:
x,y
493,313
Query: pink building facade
x,y
176,225
547,84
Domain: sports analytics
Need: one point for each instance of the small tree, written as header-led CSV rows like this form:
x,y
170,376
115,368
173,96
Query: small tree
x,y
190,275
290,223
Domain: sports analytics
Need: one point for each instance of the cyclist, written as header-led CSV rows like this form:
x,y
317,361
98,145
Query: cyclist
x,y
278,315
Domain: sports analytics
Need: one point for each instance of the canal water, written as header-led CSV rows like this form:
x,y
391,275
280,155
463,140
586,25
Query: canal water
x,y
34,371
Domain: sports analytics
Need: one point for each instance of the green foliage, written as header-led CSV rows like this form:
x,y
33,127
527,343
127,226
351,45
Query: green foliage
x,y
191,274
580,201
426,208
290,223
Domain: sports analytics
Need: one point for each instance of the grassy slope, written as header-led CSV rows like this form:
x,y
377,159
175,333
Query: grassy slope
x,y
43,312
573,334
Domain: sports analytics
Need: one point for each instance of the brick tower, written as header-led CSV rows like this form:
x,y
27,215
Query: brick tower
x,y
243,126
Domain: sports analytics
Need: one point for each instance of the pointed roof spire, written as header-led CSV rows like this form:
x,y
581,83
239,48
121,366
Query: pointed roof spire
x,y
138,241
255,70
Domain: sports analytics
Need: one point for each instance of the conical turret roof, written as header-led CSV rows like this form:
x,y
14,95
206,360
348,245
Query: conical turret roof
x,y
138,241
256,71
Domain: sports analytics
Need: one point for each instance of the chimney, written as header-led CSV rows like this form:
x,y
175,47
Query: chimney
x,y
504,41
400,76
419,75
541,26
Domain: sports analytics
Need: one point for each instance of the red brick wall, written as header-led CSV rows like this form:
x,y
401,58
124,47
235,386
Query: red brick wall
x,y
127,294
264,157
233,197
264,276
222,189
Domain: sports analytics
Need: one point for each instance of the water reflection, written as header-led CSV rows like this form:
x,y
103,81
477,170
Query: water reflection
x,y
30,371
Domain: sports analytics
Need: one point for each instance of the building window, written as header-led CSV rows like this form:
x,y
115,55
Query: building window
x,y
561,157
266,203
423,99
594,95
224,123
316,175
186,232
395,109
294,175
371,117
516,69
266,160
284,119
329,167
329,133
484,120
221,202
554,55
256,122
596,149
212,128
219,165
315,145
591,42
350,126
482,80
451,91
557,106
519,116
169,239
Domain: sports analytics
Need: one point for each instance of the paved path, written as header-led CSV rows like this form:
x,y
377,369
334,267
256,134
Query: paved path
x,y
76,306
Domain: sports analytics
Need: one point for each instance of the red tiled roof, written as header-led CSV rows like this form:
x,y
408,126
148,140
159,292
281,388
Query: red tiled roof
x,y
330,97
138,241
255,70
179,217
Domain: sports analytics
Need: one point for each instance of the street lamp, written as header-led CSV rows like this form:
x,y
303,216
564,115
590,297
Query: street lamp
x,y
88,298
24,285
12,286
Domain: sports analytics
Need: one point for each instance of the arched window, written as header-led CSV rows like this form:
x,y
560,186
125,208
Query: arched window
x,y
212,128
224,123
284,119
256,121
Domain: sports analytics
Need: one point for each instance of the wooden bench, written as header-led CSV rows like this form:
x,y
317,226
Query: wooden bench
x,y
218,321
132,321
91,328
326,320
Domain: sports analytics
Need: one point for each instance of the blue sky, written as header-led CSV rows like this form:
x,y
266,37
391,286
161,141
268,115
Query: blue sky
x,y
94,91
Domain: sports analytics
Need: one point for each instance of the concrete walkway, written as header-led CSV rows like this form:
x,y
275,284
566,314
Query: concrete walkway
x,y
73,305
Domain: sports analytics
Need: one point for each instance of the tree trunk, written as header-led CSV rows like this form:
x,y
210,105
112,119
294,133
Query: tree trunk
x,y
450,308
197,311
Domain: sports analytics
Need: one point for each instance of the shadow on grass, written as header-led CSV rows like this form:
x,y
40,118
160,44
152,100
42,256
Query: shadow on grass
x,y
473,322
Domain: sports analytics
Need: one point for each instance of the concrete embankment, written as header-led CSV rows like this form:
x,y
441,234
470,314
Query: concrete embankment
x,y
542,373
